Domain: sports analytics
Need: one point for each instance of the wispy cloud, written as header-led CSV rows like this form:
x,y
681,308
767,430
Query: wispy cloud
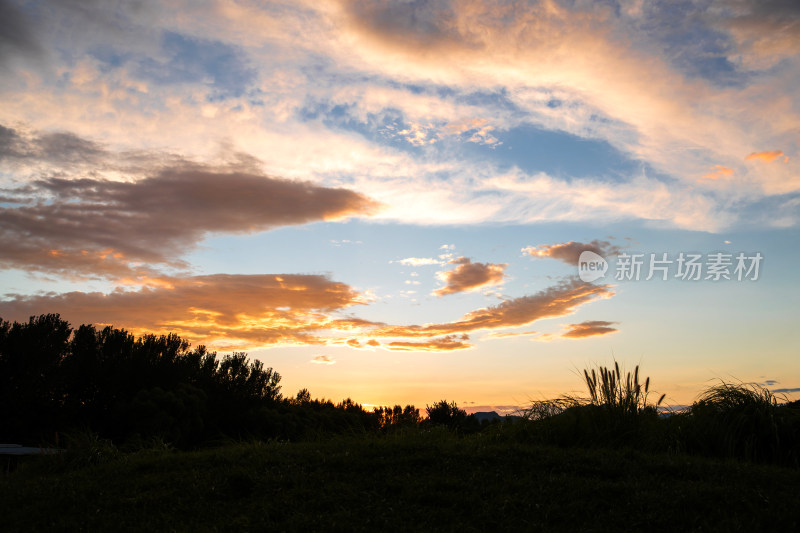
x,y
506,334
555,301
443,344
589,328
680,126
419,261
786,390
323,360
432,71
719,172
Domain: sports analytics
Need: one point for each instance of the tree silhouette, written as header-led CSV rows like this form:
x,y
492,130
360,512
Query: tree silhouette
x,y
446,414
55,379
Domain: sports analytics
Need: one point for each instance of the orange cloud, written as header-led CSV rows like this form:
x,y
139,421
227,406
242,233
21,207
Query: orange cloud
x,y
444,344
323,360
249,311
589,328
717,172
469,276
502,335
569,252
555,301
221,310
767,157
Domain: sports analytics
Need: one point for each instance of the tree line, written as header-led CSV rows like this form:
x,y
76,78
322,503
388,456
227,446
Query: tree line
x,y
55,379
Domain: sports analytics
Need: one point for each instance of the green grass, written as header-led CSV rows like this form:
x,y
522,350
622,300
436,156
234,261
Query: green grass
x,y
425,481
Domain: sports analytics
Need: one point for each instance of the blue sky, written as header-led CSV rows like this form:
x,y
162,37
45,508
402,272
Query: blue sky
x,y
385,200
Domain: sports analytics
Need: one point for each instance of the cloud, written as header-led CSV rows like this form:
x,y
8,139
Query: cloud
x,y
17,36
766,157
323,360
765,31
247,311
221,309
545,66
475,130
418,134
589,328
542,198
419,261
786,390
444,344
559,300
101,227
502,335
570,252
591,58
469,276
719,172
478,128
53,147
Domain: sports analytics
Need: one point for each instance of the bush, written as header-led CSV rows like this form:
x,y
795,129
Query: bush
x,y
743,421
617,412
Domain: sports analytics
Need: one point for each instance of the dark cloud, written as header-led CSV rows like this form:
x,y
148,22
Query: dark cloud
x,y
786,391
254,310
569,252
765,31
413,24
589,328
17,36
10,142
54,147
470,276
65,224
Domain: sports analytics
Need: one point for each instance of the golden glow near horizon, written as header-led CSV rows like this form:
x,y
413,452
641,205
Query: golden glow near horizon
x,y
390,200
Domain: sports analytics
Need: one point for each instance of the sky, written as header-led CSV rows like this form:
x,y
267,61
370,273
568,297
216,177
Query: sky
x,y
389,200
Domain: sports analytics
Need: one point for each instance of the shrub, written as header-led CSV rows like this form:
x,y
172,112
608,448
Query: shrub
x,y
745,421
617,411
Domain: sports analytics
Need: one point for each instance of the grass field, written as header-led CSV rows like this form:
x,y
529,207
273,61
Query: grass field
x,y
423,481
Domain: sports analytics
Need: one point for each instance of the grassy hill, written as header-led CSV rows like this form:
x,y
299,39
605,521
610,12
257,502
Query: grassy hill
x,y
418,481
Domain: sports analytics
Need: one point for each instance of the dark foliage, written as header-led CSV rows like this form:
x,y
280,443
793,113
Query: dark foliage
x,y
105,390
397,418
55,380
449,415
